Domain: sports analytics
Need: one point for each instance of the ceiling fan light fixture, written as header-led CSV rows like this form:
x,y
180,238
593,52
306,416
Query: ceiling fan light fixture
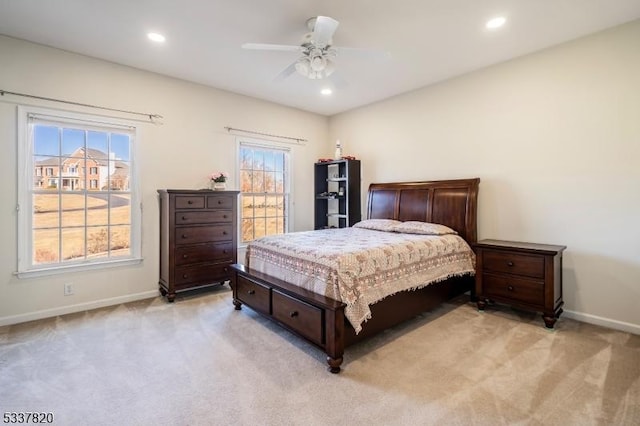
x,y
303,66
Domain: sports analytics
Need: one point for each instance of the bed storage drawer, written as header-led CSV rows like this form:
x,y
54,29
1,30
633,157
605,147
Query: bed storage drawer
x,y
254,294
299,316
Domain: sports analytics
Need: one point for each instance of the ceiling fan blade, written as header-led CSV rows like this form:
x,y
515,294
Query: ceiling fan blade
x,y
323,30
362,53
285,72
266,46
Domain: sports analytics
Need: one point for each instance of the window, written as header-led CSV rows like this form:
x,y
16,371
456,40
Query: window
x,y
67,220
264,190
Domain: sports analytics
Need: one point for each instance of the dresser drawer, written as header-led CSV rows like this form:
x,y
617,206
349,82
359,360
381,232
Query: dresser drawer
x,y
214,216
254,295
185,255
521,290
299,316
189,275
190,202
513,263
203,234
220,202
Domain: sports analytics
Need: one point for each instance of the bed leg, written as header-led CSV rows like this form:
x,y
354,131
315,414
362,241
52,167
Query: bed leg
x,y
334,364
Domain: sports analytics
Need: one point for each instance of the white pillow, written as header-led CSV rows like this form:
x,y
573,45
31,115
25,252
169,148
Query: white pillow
x,y
386,225
424,228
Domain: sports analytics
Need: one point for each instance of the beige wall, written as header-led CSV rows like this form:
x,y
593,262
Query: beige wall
x,y
555,139
180,153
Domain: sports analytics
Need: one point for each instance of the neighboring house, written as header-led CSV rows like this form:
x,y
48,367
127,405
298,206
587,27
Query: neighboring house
x,y
77,170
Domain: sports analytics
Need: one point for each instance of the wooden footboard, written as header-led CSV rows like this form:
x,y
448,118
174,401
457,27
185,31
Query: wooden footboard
x,y
321,321
314,317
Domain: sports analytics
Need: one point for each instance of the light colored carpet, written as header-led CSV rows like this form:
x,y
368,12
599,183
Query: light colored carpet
x,y
199,362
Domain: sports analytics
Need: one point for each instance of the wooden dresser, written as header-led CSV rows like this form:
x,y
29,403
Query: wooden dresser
x,y
198,238
525,275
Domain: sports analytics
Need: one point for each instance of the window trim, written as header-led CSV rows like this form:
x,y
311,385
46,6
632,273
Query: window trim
x,y
24,266
268,144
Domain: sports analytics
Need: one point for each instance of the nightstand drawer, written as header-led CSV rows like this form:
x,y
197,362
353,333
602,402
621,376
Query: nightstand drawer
x,y
255,295
513,263
300,316
521,290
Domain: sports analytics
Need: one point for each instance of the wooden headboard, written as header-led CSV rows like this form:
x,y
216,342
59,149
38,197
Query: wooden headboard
x,y
449,202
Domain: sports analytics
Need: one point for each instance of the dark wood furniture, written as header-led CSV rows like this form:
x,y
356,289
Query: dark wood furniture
x,y
198,239
320,319
525,275
337,189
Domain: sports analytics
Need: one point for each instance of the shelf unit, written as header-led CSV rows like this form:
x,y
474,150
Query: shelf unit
x,y
337,193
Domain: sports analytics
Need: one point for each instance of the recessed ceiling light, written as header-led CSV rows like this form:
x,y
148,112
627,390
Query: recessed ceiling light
x,y
326,91
496,22
158,38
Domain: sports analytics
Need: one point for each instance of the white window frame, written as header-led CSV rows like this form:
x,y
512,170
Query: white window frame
x,y
25,266
266,144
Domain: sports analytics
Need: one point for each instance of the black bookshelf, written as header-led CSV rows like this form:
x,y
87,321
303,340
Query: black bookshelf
x,y
337,193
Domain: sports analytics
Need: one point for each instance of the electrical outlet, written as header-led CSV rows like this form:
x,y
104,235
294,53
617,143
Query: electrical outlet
x,y
68,289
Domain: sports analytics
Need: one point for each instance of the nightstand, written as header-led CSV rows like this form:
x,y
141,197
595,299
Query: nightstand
x,y
524,275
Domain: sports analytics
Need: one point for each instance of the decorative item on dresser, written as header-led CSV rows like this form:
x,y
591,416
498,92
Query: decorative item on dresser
x,y
198,238
525,275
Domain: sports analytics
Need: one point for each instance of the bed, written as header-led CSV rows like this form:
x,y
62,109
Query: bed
x,y
301,294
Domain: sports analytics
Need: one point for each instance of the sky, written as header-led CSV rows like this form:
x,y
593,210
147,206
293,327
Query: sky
x,y
47,142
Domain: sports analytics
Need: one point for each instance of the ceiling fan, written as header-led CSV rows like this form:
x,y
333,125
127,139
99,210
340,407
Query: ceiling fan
x,y
318,53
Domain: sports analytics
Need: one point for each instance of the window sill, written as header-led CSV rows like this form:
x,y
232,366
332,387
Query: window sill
x,y
42,272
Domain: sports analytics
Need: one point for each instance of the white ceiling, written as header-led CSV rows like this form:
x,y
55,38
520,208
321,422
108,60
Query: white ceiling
x,y
428,40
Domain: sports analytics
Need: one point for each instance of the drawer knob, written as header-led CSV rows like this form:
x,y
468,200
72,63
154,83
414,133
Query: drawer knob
x,y
510,288
509,263
224,216
184,218
293,314
224,232
219,201
184,235
184,256
225,251
189,202
184,275
251,292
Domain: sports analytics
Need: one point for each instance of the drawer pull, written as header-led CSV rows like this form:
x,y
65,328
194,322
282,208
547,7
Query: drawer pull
x,y
184,275
184,256
225,251
224,216
184,235
293,314
251,292
510,288
224,232
184,218
189,202
219,201
509,263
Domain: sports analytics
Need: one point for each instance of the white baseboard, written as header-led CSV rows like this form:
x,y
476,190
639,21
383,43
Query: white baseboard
x,y
48,313
604,322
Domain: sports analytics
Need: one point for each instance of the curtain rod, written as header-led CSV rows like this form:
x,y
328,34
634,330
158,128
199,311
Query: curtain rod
x,y
298,140
26,95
